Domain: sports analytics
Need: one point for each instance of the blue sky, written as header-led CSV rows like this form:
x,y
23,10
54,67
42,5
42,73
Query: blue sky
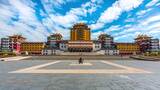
x,y
123,19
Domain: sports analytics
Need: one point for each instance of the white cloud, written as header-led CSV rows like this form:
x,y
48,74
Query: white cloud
x,y
29,26
108,30
71,17
127,37
158,4
25,12
130,20
149,25
128,26
152,27
151,19
96,26
141,13
113,28
152,2
50,5
27,23
113,13
117,8
66,20
95,35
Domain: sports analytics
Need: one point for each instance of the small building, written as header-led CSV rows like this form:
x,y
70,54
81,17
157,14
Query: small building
x,y
144,42
97,45
16,40
12,44
63,45
54,40
5,45
154,45
32,48
108,44
107,41
128,48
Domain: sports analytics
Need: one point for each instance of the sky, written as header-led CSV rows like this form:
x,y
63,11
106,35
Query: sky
x,y
122,19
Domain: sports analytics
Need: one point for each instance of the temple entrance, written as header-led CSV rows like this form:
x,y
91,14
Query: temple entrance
x,y
80,46
79,49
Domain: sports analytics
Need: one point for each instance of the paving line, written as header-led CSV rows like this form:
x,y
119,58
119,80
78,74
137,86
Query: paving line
x,y
35,67
130,69
117,65
77,64
80,71
15,58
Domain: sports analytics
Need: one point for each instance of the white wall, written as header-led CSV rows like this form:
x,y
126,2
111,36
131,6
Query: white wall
x,y
97,46
112,52
63,46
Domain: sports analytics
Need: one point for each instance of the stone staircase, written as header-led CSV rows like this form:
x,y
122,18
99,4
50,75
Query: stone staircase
x,y
80,53
76,57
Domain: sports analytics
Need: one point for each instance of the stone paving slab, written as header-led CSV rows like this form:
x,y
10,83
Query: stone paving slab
x,y
43,81
80,69
86,57
80,82
75,65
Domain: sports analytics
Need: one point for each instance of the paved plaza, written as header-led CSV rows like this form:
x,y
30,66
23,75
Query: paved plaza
x,y
69,75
